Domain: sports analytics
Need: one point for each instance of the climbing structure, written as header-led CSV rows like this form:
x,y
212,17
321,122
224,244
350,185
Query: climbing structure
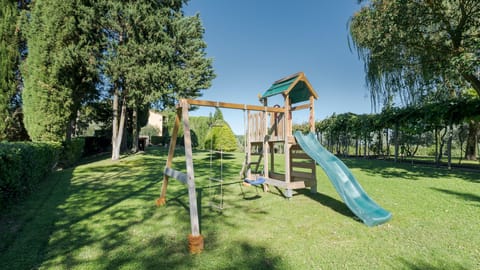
x,y
268,128
268,132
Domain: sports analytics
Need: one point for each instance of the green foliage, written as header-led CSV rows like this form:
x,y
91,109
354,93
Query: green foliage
x,y
217,116
221,137
413,48
72,152
8,63
97,144
149,131
200,127
154,55
157,140
415,123
60,71
23,165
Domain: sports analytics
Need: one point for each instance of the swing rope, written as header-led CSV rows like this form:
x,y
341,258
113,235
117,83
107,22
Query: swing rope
x,y
246,139
212,178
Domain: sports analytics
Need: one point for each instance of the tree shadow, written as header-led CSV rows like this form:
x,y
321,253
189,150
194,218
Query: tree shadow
x,y
25,228
391,170
216,156
423,264
462,195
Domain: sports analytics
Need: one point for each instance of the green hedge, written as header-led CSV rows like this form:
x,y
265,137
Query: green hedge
x,y
72,152
23,165
157,140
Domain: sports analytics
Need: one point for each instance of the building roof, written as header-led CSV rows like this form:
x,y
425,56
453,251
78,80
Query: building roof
x,y
296,86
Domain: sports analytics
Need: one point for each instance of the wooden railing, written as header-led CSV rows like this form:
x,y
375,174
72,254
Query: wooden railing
x,y
257,127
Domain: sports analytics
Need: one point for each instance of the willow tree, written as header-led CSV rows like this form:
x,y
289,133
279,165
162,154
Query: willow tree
x,y
60,71
155,54
413,48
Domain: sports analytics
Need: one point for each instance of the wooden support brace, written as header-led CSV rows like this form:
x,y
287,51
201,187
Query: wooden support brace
x,y
180,176
171,151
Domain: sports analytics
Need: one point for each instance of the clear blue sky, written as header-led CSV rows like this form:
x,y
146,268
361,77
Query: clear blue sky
x,y
255,42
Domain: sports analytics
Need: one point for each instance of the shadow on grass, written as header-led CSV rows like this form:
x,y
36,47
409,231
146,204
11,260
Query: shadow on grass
x,y
330,202
216,156
462,195
390,170
423,264
25,228
102,216
239,255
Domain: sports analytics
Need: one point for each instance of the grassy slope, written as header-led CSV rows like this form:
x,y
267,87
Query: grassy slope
x,y
101,215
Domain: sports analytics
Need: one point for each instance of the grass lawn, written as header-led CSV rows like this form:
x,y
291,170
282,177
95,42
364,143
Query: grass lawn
x,y
102,215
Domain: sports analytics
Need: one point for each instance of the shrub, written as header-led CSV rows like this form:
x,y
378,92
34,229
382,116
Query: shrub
x,y
72,152
23,165
157,140
221,137
149,130
95,145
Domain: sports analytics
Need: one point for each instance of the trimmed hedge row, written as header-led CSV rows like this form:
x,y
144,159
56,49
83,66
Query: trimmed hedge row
x,y
72,152
23,165
96,145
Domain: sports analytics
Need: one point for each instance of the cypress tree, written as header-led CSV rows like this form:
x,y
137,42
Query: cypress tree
x,y
60,69
8,62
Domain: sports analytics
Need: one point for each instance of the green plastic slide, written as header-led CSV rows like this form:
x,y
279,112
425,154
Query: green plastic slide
x,y
344,182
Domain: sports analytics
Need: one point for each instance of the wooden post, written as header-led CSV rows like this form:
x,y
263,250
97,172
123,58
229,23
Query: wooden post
x,y
171,151
312,114
265,139
195,239
286,146
249,146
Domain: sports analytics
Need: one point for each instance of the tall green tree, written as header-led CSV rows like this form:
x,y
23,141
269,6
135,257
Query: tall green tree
x,y
411,48
60,71
155,55
9,56
414,48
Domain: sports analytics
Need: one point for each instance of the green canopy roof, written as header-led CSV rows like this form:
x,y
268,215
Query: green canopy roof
x,y
296,86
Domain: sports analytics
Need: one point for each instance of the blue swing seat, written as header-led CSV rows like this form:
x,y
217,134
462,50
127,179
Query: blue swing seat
x,y
256,182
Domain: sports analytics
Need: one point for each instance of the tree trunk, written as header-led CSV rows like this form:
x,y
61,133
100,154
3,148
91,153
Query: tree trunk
x,y
474,82
70,129
115,124
396,142
471,149
135,130
449,146
356,146
380,143
442,143
365,146
387,139
118,124
436,147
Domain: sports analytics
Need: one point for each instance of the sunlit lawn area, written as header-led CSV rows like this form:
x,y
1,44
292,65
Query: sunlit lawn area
x,y
102,215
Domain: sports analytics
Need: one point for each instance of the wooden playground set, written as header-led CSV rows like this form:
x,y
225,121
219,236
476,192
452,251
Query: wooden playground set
x,y
267,129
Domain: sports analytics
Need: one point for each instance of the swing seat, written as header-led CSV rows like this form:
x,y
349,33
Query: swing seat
x,y
256,182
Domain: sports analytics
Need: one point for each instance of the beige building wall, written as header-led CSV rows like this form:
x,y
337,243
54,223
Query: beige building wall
x,y
156,119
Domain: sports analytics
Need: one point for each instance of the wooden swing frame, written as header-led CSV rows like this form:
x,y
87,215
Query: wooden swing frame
x,y
262,133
